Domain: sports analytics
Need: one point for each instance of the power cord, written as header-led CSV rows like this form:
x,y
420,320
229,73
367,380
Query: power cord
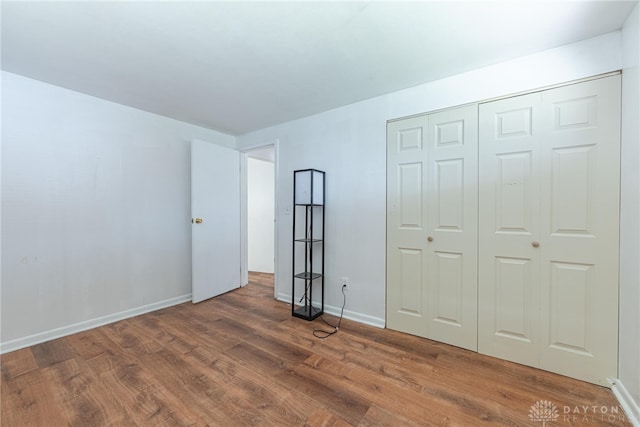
x,y
321,333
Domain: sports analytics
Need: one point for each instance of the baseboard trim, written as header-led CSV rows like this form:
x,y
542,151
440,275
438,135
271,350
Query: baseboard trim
x,y
52,334
630,407
348,314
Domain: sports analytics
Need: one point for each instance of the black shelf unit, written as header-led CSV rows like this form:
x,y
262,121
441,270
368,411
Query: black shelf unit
x,y
308,244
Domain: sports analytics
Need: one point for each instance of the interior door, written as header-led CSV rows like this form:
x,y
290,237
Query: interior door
x,y
509,224
580,239
432,226
407,162
215,211
452,235
549,221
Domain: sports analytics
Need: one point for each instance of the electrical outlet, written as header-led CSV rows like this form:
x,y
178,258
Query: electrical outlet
x,y
344,283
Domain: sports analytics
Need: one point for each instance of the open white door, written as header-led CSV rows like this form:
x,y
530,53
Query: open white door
x,y
215,213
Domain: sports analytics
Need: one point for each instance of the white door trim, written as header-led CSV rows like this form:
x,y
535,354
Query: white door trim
x,y
244,242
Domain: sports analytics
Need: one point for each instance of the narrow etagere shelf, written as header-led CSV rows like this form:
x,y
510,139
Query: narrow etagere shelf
x,y
308,244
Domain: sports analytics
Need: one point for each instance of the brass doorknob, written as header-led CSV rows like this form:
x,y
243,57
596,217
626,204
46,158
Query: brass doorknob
x,y
198,220
430,239
535,244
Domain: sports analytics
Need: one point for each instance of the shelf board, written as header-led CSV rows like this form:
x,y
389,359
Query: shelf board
x,y
309,240
308,276
310,204
307,312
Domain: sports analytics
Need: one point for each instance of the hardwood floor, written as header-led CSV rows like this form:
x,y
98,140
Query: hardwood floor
x,y
241,359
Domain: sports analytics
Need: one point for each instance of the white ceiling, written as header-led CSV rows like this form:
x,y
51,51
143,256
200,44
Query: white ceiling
x,y
241,66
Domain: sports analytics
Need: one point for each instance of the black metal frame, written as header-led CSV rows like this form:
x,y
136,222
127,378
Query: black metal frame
x,y
310,277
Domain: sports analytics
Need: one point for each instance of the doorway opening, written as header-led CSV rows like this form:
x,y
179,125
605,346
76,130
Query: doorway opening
x,y
260,215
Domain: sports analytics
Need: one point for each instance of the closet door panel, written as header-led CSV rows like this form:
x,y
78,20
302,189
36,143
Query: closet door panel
x,y
406,226
513,292
509,216
503,228
452,250
549,229
579,247
432,226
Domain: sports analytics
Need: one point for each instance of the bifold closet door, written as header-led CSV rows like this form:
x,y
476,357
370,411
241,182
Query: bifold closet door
x,y
432,226
549,229
407,164
509,220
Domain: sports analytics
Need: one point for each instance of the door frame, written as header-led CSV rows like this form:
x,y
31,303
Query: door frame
x,y
244,213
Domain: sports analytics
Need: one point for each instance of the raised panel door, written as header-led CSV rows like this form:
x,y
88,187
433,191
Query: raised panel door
x,y
509,224
549,229
452,228
406,225
432,226
580,234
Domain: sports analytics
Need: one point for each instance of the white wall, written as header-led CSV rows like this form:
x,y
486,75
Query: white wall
x,y
95,195
629,371
95,210
260,206
349,144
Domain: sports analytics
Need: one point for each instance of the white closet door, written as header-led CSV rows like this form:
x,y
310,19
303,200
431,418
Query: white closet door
x,y
549,221
407,226
432,226
509,223
579,245
452,200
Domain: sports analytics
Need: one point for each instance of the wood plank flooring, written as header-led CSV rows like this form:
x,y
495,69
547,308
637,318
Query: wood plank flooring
x,y
241,360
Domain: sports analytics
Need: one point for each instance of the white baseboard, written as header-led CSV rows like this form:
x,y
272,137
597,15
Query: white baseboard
x,y
630,407
52,334
335,311
358,317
